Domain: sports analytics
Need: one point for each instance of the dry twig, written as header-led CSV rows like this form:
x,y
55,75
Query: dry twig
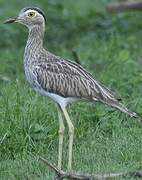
x,y
123,6
76,57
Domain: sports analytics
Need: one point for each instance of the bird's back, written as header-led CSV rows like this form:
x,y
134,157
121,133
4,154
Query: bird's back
x,y
68,79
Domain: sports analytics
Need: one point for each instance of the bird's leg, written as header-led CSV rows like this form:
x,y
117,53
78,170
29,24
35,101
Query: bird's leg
x,y
61,136
71,135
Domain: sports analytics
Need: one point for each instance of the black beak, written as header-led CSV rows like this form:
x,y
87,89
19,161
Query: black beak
x,y
10,20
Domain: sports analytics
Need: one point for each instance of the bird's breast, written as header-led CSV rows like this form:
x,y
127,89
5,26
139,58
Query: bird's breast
x,y
30,76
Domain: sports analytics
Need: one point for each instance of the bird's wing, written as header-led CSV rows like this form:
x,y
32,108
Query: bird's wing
x,y
69,79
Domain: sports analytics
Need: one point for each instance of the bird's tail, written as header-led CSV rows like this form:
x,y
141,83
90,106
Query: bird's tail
x,y
107,97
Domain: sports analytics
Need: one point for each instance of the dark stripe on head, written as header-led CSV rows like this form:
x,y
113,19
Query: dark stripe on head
x,y
36,9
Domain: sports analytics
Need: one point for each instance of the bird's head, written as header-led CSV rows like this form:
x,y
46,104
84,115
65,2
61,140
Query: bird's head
x,y
29,16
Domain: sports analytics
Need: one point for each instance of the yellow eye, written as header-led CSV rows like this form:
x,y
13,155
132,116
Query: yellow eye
x,y
31,14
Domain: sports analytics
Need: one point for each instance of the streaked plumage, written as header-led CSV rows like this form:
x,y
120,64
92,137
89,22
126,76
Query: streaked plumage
x,y
53,74
61,80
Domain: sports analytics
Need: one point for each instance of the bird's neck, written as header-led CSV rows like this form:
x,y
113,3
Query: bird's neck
x,y
34,42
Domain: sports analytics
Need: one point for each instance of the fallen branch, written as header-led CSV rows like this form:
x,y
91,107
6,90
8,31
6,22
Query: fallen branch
x,y
78,176
123,6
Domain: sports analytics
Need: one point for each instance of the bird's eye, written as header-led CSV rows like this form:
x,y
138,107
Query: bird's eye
x,y
31,14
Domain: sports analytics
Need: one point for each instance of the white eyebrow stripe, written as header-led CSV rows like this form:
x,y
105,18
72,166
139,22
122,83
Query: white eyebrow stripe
x,y
31,10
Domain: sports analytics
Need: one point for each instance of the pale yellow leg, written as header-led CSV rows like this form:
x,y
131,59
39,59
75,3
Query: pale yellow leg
x,y
61,136
71,135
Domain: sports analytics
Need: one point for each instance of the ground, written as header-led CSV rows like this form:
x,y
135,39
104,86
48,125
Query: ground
x,y
109,46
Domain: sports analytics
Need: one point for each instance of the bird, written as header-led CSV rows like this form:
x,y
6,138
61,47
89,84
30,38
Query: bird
x,y
64,81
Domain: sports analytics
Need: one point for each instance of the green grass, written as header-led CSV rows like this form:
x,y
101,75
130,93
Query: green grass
x,y
109,46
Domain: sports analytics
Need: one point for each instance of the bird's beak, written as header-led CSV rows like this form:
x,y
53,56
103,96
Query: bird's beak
x,y
11,20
